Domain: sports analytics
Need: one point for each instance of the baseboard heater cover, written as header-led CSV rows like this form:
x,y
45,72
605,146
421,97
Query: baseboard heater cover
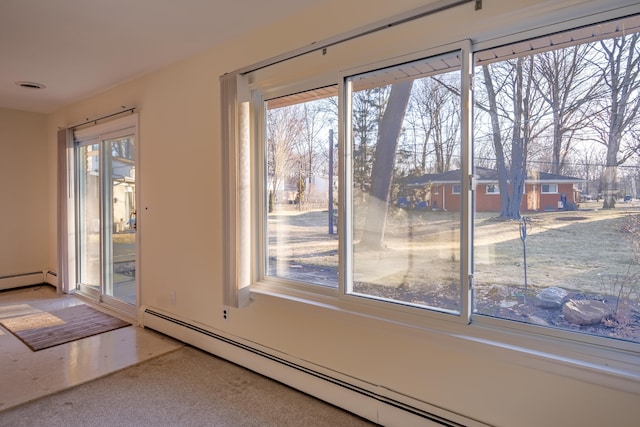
x,y
21,280
51,277
366,403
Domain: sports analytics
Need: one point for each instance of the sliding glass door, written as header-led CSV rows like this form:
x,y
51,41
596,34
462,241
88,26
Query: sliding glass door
x,y
89,217
106,215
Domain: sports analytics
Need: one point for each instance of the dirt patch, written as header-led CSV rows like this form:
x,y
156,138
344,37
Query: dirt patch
x,y
571,218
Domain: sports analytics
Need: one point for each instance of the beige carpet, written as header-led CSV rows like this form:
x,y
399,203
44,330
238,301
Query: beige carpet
x,y
47,329
186,387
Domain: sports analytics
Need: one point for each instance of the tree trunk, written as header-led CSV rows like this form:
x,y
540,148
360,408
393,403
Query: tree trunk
x,y
496,134
622,80
384,161
511,178
609,190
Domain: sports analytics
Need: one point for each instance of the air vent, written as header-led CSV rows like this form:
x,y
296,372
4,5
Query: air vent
x,y
30,85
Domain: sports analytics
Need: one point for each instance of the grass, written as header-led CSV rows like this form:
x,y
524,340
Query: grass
x,y
574,250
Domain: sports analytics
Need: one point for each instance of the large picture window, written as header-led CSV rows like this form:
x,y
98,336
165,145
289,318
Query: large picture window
x,y
406,127
534,144
567,112
301,188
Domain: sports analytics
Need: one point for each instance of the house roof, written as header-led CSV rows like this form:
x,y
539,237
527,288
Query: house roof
x,y
486,175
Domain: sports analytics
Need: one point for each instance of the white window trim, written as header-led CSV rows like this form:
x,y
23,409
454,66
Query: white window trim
x,y
235,130
548,192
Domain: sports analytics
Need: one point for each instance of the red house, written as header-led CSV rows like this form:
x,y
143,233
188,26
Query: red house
x,y
543,191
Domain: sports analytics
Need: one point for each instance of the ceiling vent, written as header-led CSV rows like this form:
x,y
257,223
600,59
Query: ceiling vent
x,y
30,85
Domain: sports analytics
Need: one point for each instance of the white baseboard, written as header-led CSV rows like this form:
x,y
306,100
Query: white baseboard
x,y
51,277
21,280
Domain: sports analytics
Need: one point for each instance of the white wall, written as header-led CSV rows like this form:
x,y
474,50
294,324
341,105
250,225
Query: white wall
x,y
24,208
181,227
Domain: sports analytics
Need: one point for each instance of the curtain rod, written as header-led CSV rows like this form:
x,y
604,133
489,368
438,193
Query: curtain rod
x,y
369,29
123,110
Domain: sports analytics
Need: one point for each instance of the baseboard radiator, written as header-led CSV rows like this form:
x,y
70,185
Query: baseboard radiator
x,y
14,281
376,404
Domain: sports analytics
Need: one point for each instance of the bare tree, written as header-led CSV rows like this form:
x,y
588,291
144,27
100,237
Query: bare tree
x,y
589,167
325,112
620,76
512,101
436,112
123,149
285,127
312,145
565,80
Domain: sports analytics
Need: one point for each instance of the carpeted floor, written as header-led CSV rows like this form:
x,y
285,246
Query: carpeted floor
x,y
186,387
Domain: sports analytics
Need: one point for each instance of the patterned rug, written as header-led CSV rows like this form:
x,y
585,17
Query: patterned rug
x,y
48,329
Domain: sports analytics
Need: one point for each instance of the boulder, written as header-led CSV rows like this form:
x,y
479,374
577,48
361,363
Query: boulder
x,y
585,312
551,297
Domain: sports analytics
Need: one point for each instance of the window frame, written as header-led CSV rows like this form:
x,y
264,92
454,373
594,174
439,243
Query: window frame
x,y
542,185
341,296
581,350
466,223
608,361
495,187
260,278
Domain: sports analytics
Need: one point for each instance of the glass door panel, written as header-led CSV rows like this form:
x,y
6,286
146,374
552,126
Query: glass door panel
x,y
89,242
107,219
120,254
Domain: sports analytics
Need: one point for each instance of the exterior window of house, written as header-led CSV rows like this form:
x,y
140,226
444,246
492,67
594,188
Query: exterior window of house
x,y
301,176
493,189
389,250
347,190
541,272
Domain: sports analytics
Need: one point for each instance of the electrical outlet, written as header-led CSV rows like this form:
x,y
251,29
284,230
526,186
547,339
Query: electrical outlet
x,y
225,313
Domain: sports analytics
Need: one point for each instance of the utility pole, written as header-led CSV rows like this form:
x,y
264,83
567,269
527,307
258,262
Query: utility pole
x,y
331,181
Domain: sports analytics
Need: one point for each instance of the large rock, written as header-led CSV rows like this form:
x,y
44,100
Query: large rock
x,y
551,297
585,312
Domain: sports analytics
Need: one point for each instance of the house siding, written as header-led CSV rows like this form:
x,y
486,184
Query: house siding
x,y
533,200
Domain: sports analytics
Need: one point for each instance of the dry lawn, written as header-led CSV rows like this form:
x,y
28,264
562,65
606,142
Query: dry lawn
x,y
584,250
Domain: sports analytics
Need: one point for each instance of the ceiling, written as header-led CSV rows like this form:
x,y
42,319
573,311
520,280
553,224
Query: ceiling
x,y
77,48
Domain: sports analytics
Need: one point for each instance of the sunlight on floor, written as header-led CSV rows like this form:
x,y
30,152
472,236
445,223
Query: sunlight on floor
x,y
26,375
